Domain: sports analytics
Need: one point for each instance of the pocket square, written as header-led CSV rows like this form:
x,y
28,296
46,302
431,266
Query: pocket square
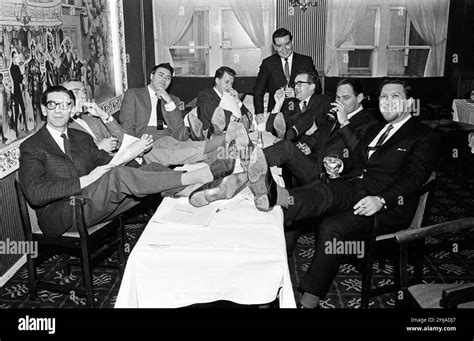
x,y
401,149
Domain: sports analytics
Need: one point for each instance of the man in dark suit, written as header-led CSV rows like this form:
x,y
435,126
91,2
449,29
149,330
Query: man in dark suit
x,y
57,162
393,161
279,71
152,110
209,99
306,116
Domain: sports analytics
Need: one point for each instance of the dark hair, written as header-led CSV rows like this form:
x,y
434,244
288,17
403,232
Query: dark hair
x,y
355,84
281,32
57,88
166,66
312,77
406,86
223,70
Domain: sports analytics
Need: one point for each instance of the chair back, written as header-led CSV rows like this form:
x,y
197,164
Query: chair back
x,y
28,215
420,210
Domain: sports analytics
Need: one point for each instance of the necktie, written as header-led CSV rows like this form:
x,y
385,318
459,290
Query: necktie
x,y
287,71
67,146
159,114
381,139
303,107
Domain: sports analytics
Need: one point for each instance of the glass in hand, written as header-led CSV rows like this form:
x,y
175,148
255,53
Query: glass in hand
x,y
333,165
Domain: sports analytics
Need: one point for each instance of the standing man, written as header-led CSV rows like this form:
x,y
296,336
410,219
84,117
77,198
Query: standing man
x,y
152,110
279,70
17,78
209,99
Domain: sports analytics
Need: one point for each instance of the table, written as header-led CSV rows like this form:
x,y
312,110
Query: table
x,y
240,257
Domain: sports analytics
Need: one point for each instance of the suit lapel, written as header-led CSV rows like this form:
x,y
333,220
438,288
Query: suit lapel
x,y
50,143
280,73
294,67
400,134
146,100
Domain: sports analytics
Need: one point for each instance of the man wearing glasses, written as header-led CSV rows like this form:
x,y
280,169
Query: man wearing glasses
x,y
305,119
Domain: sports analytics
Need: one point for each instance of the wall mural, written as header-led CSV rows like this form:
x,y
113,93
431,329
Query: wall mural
x,y
43,43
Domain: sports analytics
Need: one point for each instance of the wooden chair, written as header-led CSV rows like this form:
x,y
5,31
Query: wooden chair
x,y
91,244
435,295
401,250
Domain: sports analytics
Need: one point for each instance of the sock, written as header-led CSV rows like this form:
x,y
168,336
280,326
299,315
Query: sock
x,y
309,301
282,197
214,143
202,175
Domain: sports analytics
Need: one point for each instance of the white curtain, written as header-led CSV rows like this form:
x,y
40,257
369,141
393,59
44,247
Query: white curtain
x,y
172,17
257,22
430,19
343,16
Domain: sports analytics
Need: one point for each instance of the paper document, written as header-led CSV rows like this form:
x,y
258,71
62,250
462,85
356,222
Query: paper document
x,y
183,213
127,152
228,103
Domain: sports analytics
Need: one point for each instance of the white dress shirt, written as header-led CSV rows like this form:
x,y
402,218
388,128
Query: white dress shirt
x,y
154,100
396,126
57,137
290,63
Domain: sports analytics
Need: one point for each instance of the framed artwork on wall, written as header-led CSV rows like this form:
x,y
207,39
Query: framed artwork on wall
x,y
46,42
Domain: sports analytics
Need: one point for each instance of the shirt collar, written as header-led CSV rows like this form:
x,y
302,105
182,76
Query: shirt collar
x,y
359,109
151,91
56,134
218,93
290,58
398,125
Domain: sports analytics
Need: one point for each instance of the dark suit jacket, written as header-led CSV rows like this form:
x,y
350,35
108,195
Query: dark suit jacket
x,y
136,110
47,175
399,168
100,130
341,141
271,77
207,101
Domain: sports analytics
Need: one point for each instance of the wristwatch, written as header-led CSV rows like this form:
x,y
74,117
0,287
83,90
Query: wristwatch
x,y
382,200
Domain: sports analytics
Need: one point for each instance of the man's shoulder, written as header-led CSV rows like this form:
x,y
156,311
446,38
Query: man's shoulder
x,y
35,141
206,93
271,59
136,91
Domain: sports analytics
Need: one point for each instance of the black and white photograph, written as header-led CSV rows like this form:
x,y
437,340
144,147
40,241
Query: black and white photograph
x,y
289,162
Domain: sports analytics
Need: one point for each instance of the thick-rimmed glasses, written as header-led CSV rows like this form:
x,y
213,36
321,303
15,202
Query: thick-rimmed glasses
x,y
51,105
300,83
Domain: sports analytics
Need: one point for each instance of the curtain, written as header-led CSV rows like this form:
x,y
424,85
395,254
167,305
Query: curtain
x,y
172,18
259,26
430,19
343,16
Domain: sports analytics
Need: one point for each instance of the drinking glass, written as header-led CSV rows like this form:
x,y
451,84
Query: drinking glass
x,y
333,165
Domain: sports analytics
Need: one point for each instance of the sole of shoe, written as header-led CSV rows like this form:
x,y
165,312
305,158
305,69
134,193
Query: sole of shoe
x,y
218,121
236,131
226,189
280,125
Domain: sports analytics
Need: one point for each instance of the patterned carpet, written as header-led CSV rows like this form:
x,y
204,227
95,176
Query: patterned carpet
x,y
452,198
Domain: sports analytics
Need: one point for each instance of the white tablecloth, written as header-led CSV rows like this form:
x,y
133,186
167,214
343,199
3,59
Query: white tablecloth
x,y
240,257
463,111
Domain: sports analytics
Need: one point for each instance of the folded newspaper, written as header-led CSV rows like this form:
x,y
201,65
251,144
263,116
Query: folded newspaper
x,y
228,103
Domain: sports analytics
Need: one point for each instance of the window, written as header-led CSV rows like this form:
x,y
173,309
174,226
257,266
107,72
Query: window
x,y
385,43
215,38
191,53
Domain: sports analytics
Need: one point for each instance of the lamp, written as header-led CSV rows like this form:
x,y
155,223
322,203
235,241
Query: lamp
x,y
24,17
303,4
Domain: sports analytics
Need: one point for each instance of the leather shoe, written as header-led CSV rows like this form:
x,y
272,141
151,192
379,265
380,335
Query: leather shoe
x,y
218,122
261,181
224,188
224,166
280,125
195,128
236,132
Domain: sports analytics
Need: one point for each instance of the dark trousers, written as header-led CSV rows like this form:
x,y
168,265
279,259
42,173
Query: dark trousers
x,y
113,193
285,153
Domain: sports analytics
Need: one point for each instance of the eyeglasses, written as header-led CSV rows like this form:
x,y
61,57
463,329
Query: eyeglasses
x,y
299,83
51,105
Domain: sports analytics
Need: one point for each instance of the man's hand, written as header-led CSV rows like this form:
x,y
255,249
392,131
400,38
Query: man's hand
x,y
109,144
289,92
279,97
96,111
164,95
340,111
368,206
144,144
304,148
96,173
